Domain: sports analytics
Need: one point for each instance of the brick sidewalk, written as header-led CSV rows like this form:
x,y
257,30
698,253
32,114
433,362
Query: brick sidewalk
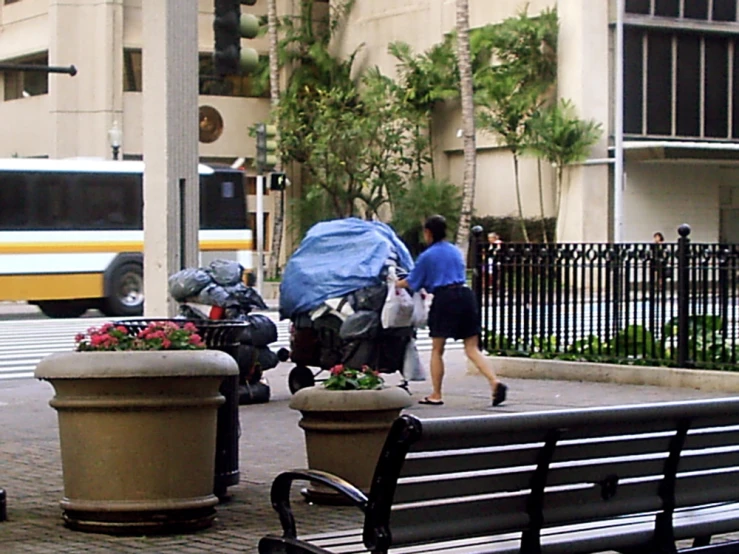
x,y
271,441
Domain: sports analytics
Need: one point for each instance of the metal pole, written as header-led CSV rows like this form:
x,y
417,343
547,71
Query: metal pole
x,y
260,233
618,127
170,141
477,276
71,70
683,292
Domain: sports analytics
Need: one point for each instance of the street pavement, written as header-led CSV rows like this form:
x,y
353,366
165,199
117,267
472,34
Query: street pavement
x,y
270,442
23,343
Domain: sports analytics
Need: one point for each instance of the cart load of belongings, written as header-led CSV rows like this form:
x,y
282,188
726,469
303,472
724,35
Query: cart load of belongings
x,y
338,288
221,286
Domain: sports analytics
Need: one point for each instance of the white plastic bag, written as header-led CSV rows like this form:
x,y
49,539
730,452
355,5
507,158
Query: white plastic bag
x,y
398,308
420,308
413,370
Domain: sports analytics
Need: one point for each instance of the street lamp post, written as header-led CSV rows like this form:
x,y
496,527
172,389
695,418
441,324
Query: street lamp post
x,y
115,135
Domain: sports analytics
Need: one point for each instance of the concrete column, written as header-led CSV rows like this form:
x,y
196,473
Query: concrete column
x,y
170,114
83,108
583,78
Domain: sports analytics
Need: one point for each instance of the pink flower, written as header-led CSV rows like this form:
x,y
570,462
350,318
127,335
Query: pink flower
x,y
337,369
166,343
79,337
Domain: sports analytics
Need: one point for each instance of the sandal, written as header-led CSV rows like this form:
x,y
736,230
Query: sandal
x,y
431,402
499,395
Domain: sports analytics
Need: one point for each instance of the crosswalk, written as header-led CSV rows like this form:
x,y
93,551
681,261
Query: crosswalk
x,y
24,343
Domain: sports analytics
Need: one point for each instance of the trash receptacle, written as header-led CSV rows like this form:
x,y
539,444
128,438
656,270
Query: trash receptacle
x,y
223,336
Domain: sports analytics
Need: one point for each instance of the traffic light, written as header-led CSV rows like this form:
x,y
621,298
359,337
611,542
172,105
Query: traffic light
x,y
267,144
229,26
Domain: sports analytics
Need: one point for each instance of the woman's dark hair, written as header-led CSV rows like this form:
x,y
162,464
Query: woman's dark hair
x,y
436,224
659,236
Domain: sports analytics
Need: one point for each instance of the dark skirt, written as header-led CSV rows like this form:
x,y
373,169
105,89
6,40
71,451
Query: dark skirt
x,y
454,313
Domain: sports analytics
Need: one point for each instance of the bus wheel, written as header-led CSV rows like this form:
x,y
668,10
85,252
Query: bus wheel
x,y
63,308
126,296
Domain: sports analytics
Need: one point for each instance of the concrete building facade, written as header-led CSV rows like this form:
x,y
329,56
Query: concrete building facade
x,y
680,114
680,119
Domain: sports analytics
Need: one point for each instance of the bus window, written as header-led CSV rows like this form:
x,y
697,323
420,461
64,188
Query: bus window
x,y
109,201
222,201
53,193
14,206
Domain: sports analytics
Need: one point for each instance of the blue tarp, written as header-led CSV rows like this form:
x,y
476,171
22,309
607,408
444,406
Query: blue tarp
x,y
335,258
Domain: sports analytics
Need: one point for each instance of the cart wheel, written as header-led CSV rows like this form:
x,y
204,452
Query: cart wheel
x,y
300,377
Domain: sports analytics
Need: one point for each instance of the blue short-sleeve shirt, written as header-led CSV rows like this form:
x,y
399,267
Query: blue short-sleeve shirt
x,y
439,265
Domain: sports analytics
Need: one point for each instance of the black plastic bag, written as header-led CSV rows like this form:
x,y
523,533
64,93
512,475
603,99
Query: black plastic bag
x,y
247,297
262,331
358,353
215,295
254,393
369,298
363,324
266,359
188,283
226,272
246,358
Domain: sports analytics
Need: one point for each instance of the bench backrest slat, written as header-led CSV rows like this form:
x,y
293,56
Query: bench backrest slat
x,y
467,477
706,488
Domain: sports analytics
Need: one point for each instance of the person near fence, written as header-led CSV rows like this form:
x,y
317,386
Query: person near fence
x,y
454,314
494,243
660,265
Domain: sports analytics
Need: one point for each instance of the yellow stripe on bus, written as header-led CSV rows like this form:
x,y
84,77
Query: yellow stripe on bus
x,y
51,286
123,246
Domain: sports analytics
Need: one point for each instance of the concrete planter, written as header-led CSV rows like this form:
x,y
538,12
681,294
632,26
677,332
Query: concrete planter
x,y
700,379
345,432
138,434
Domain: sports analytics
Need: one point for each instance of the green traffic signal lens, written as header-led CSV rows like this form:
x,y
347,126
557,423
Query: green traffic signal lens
x,y
249,60
249,25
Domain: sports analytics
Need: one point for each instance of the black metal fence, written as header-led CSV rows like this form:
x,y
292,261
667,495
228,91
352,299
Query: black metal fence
x,y
667,304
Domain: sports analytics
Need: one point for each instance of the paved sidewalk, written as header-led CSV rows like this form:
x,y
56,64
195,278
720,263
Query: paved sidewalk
x,y
271,441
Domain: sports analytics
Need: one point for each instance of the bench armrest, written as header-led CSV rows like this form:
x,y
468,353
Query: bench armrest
x,y
280,494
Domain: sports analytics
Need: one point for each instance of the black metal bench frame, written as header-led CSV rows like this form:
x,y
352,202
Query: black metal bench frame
x,y
634,479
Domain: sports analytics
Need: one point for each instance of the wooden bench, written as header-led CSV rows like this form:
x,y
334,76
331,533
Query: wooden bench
x,y
630,478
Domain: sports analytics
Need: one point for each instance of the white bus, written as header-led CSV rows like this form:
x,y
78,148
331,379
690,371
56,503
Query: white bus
x,y
71,232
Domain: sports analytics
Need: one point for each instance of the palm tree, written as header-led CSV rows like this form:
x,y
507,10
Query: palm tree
x,y
274,93
516,71
425,81
560,137
468,122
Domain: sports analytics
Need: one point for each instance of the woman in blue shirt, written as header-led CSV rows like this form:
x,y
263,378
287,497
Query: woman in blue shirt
x,y
440,269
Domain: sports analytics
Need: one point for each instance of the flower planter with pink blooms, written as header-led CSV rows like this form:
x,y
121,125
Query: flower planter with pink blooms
x,y
137,428
346,421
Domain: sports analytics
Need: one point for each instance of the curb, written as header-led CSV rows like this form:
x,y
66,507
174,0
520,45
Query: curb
x,y
700,379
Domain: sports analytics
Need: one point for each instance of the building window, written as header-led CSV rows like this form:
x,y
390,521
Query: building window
x,y
244,86
681,82
132,76
22,84
700,10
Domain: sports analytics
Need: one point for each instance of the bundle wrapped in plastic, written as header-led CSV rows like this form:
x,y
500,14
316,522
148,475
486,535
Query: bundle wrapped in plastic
x,y
226,272
337,258
187,283
220,284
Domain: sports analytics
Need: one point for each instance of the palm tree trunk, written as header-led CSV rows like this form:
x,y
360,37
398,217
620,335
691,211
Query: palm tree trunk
x,y
518,197
468,122
541,201
278,217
